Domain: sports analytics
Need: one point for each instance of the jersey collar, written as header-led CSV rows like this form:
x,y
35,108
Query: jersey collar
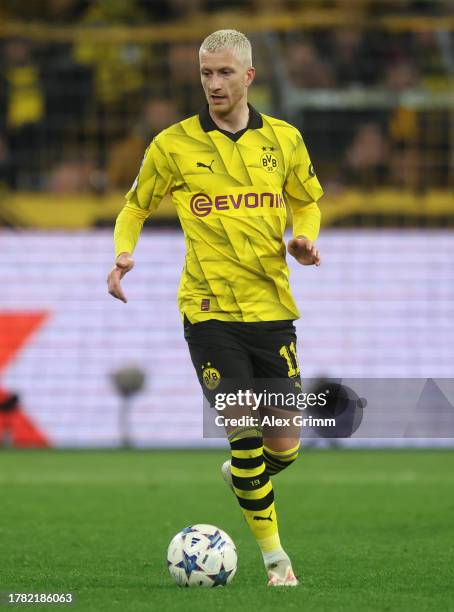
x,y
208,125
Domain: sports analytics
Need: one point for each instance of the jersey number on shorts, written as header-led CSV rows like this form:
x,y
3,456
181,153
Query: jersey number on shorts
x,y
289,354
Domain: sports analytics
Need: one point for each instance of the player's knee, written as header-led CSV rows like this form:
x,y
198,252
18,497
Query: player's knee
x,y
278,460
281,445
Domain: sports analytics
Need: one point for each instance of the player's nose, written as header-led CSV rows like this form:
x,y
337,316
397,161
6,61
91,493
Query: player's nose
x,y
214,85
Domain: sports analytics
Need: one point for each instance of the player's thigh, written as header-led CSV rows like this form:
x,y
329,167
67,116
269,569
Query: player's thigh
x,y
273,351
222,365
276,372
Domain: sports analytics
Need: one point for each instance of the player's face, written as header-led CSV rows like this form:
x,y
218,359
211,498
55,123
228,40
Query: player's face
x,y
224,79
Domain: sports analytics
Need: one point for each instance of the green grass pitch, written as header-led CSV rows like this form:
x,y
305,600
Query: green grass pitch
x,y
367,530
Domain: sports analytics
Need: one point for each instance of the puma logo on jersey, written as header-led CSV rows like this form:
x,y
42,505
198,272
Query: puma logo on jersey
x,y
264,518
202,165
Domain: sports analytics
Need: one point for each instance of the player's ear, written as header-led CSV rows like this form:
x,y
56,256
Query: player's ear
x,y
250,75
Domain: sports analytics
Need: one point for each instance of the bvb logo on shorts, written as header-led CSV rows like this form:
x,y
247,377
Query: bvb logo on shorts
x,y
211,377
269,161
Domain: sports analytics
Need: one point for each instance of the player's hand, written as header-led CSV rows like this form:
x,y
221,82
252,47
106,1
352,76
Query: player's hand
x,y
304,251
123,264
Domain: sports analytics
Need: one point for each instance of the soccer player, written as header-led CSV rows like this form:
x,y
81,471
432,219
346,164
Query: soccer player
x,y
233,173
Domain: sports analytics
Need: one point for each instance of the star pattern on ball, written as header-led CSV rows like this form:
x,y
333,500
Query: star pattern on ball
x,y
214,538
220,579
189,564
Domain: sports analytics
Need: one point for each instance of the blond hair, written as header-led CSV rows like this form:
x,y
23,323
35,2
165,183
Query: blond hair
x,y
229,39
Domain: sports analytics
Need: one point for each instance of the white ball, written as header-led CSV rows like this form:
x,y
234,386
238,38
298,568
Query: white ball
x,y
202,555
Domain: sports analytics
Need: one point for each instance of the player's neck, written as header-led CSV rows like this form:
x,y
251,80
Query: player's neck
x,y
234,121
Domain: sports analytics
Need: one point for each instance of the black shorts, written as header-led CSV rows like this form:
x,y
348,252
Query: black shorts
x,y
228,356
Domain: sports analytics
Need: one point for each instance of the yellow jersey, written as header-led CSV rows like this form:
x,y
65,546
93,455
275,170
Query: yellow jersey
x,y
232,193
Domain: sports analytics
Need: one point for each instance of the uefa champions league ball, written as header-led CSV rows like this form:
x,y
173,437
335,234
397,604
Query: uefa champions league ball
x,y
202,555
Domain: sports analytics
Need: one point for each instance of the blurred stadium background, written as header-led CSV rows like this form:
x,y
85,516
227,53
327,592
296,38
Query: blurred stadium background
x,y
84,86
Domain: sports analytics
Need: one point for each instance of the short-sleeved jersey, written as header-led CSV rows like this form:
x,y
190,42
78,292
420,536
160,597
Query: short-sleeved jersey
x,y
231,193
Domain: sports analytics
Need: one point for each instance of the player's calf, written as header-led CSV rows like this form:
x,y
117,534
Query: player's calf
x,y
278,460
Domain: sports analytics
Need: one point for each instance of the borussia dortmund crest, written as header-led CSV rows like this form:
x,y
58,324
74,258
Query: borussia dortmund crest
x,y
269,161
211,377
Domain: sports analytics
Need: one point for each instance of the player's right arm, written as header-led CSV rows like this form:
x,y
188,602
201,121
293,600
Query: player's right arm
x,y
152,183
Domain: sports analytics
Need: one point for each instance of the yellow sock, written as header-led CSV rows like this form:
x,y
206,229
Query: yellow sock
x,y
254,490
276,461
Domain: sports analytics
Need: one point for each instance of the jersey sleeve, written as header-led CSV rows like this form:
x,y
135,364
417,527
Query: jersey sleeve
x,y
154,181
303,191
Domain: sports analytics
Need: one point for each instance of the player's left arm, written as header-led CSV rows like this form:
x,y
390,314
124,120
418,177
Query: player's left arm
x,y
303,191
